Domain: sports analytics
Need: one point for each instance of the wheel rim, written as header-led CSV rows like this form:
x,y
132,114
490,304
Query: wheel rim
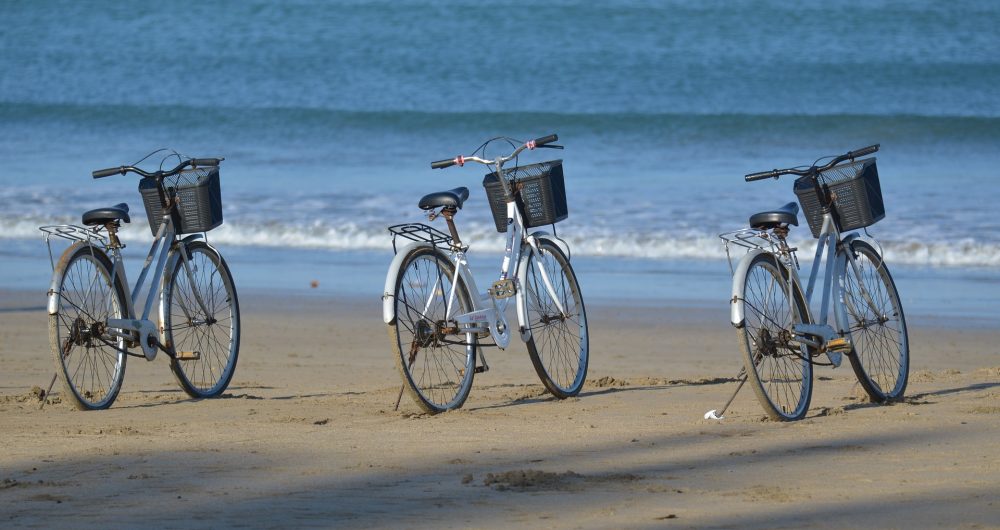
x,y
210,331
878,333
438,370
560,338
782,370
92,365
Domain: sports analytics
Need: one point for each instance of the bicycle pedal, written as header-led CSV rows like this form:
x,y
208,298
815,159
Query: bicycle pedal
x,y
839,345
481,369
187,355
503,289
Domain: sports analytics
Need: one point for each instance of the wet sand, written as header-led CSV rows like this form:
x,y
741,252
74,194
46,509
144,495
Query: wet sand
x,y
306,435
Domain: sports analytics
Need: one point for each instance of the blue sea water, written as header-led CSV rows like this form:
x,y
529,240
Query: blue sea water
x,y
329,112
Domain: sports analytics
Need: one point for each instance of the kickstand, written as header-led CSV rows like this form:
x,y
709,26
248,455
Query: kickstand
x,y
712,414
45,398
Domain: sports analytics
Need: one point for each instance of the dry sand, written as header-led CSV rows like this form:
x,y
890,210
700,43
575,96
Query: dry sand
x,y
307,436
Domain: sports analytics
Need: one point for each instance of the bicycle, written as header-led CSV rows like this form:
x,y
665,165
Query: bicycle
x,y
92,319
436,315
778,334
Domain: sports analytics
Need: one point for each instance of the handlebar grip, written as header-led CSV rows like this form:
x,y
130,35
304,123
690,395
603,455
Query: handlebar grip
x,y
545,140
441,164
101,173
863,151
206,161
762,175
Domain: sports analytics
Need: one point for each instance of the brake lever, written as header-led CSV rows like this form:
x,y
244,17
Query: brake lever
x,y
549,146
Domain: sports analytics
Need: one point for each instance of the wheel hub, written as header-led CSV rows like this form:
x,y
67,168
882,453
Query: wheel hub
x,y
424,334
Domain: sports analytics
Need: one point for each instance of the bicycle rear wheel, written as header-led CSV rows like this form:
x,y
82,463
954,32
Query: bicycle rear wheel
x,y
877,327
436,363
205,335
779,371
90,361
559,345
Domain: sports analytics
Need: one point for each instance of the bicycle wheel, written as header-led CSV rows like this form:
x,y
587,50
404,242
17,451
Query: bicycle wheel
x,y
205,334
559,345
877,327
90,361
779,370
437,364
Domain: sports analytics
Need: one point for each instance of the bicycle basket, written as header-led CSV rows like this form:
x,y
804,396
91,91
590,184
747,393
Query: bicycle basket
x,y
857,196
198,196
540,193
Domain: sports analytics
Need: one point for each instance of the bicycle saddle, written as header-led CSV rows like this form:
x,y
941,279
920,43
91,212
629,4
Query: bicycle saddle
x,y
102,216
438,199
786,215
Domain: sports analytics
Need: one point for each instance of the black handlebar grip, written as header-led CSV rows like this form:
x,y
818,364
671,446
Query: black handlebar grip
x,y
101,173
863,151
441,164
206,161
546,140
762,175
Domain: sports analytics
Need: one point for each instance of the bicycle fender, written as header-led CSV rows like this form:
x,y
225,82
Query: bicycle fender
x,y
54,294
563,246
389,293
522,270
840,273
736,316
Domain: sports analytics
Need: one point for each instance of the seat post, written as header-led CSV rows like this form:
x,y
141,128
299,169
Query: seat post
x,y
448,212
112,228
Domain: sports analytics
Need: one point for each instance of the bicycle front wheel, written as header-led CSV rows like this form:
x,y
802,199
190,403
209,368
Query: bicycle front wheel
x,y
90,361
554,314
437,362
876,325
200,314
779,369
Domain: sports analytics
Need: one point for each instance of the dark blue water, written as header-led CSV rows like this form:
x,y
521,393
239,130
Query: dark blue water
x,y
328,114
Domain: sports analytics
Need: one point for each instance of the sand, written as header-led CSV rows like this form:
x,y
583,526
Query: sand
x,y
306,435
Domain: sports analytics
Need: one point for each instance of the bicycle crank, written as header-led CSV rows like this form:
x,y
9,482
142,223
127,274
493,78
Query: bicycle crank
x,y
144,329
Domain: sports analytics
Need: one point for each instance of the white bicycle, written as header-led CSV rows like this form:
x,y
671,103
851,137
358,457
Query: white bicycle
x,y
437,317
780,337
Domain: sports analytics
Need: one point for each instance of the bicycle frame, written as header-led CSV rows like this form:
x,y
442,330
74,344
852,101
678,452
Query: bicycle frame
x,y
815,333
142,331
488,308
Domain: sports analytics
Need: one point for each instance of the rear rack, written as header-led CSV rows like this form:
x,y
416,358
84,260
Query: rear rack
x,y
420,232
73,233
749,239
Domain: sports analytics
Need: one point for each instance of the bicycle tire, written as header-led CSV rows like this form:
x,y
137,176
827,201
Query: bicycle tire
x,y
781,375
90,362
205,340
559,342
442,378
880,355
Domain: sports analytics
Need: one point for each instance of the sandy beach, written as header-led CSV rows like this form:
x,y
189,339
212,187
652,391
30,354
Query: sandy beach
x,y
306,435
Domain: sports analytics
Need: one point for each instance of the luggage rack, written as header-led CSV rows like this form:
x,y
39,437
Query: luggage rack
x,y
420,232
749,239
73,233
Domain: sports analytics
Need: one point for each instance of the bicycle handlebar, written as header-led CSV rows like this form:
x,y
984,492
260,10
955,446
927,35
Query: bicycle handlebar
x,y
192,162
461,159
775,173
441,164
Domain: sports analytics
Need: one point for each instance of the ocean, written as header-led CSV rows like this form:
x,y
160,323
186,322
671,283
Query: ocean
x,y
328,114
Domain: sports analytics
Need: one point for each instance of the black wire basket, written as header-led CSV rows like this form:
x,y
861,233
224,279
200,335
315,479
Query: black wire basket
x,y
198,196
857,196
539,191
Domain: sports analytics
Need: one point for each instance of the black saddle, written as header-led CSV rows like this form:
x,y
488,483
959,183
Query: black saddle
x,y
453,198
786,215
103,216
